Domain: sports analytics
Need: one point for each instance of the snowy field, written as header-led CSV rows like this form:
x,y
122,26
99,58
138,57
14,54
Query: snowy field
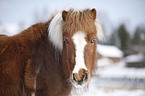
x,y
119,70
97,91
94,90
110,87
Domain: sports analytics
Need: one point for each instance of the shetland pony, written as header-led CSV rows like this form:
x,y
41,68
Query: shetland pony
x,y
51,58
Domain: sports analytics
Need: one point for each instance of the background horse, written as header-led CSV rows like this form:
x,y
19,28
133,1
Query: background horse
x,y
48,59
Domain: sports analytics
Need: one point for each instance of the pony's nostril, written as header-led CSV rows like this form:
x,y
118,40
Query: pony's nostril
x,y
80,78
74,77
85,77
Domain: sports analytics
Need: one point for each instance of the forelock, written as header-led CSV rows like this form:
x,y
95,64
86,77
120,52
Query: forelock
x,y
79,21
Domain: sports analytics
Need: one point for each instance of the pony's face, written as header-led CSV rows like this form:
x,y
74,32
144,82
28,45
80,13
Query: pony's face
x,y
79,45
74,34
79,54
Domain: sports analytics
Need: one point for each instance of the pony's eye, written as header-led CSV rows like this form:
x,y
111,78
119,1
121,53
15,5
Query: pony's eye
x,y
92,40
66,41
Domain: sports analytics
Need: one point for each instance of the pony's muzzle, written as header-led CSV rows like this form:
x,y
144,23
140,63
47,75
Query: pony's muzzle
x,y
80,77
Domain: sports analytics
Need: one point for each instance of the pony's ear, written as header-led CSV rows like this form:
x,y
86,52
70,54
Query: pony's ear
x,y
64,14
94,12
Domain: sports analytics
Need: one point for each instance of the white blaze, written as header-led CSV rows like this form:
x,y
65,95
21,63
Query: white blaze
x,y
80,43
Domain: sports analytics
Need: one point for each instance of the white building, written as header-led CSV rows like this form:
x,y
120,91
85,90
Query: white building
x,y
110,52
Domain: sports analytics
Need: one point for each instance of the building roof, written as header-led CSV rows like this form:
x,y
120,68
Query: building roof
x,y
134,58
109,51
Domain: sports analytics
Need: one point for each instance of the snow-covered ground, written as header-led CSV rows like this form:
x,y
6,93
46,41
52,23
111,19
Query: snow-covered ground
x,y
101,92
116,80
119,70
94,90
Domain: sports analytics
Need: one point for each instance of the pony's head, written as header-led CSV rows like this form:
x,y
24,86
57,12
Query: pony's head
x,y
74,34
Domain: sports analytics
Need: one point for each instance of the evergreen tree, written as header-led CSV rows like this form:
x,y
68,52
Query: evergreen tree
x,y
124,38
142,37
114,40
111,40
136,39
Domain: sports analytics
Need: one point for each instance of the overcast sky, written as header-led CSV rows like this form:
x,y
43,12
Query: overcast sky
x,y
115,12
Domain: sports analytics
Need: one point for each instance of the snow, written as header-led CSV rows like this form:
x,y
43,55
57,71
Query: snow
x,y
122,72
109,51
94,90
115,70
135,58
119,70
105,62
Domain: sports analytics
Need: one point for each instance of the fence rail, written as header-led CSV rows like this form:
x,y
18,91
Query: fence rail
x,y
121,82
